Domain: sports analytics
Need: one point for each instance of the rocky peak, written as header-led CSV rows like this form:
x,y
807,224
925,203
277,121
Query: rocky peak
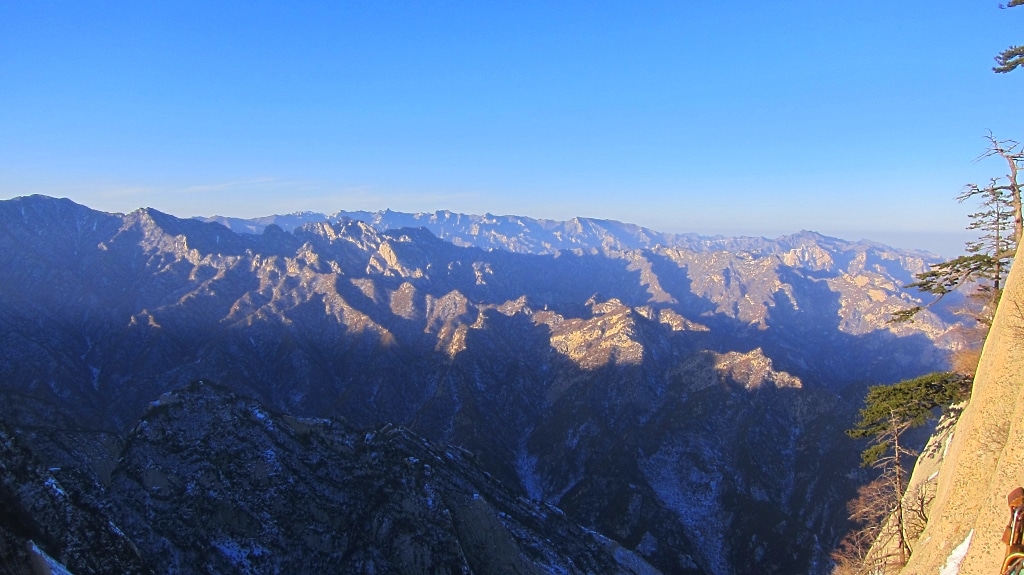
x,y
210,480
665,412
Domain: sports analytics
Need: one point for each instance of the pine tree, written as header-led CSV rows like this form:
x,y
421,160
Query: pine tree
x,y
1013,56
889,411
912,402
995,222
1001,222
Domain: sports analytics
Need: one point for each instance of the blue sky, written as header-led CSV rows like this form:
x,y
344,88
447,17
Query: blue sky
x,y
854,119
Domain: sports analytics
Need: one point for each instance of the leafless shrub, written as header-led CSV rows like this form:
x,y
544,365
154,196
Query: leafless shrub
x,y
916,505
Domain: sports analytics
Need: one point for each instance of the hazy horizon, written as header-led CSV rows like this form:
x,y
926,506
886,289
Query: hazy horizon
x,y
859,120
894,240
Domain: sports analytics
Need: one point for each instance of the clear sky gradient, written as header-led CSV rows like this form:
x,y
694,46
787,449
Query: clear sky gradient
x,y
854,119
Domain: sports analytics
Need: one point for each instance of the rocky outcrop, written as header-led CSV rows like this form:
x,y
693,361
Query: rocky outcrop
x,y
209,481
55,520
985,457
212,481
684,396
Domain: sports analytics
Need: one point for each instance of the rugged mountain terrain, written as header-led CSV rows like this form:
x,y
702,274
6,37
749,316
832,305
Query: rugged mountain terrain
x,y
212,482
47,529
685,397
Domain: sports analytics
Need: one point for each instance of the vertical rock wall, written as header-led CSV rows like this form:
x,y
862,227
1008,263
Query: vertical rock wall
x,y
985,458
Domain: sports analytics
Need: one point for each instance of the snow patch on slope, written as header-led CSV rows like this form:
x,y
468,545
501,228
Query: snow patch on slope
x,y
526,469
56,568
694,495
956,557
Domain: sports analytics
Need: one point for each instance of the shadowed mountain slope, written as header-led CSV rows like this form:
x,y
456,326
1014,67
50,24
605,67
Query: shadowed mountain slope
x,y
686,402
209,481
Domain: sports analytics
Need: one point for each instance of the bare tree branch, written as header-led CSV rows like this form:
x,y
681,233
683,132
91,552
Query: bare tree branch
x,y
1001,222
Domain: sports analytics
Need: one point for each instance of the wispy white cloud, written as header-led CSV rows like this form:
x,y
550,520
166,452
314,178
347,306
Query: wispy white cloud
x,y
228,186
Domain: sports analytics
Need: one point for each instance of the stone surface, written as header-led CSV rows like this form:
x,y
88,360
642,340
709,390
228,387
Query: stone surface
x,y
683,396
985,460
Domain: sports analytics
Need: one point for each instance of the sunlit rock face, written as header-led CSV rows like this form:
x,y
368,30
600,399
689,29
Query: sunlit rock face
x,y
682,396
978,461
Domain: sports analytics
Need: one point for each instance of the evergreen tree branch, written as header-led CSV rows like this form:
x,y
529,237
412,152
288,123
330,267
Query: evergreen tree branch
x,y
1008,60
1012,57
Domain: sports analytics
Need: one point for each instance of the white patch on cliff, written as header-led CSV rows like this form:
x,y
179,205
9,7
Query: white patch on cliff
x,y
694,494
53,485
56,568
239,554
526,468
956,557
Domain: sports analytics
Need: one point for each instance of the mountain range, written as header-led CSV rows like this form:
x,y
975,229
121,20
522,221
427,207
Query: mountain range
x,y
589,396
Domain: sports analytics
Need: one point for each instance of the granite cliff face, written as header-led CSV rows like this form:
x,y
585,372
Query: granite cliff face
x,y
682,396
982,458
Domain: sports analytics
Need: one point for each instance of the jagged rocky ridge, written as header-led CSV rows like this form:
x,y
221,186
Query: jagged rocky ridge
x,y
45,528
209,481
536,236
686,402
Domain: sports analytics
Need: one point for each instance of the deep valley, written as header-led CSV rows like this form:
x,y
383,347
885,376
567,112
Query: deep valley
x,y
436,393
